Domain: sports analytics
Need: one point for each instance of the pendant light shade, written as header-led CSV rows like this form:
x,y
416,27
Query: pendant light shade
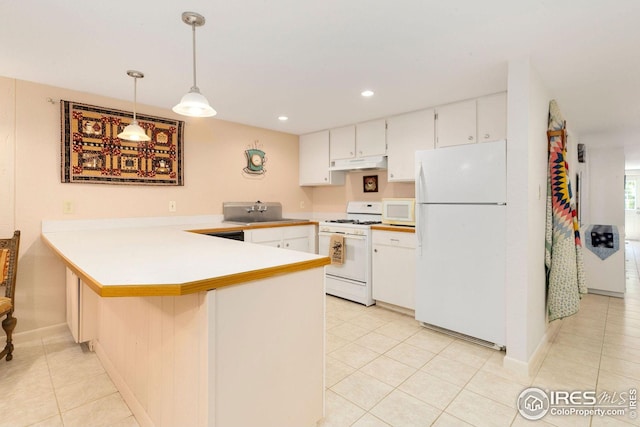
x,y
194,104
134,132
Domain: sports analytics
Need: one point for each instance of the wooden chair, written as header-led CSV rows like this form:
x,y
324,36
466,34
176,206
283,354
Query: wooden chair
x,y
8,269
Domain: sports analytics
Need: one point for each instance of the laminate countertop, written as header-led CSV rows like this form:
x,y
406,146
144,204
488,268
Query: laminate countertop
x,y
156,257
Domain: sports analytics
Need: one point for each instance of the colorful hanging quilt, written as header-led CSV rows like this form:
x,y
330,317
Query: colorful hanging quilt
x,y
563,249
93,153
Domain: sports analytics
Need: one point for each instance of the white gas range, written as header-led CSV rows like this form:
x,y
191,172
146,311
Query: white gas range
x,y
351,279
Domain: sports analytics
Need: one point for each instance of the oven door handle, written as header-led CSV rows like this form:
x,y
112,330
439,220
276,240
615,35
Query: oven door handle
x,y
346,236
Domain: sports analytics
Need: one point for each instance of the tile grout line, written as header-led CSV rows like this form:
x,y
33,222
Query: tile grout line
x,y
53,387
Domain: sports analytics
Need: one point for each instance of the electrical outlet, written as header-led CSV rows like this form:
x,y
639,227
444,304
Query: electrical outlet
x,y
67,207
172,206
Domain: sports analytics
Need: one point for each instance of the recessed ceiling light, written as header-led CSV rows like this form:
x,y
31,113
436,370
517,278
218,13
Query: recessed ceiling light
x,y
367,93
283,118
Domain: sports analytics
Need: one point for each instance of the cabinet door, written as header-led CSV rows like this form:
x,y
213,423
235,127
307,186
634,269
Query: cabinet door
x,y
314,161
393,269
492,117
406,134
294,237
83,307
371,138
73,305
265,236
297,244
342,143
456,124
299,238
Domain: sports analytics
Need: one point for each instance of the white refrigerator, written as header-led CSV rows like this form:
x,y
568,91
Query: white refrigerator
x,y
461,230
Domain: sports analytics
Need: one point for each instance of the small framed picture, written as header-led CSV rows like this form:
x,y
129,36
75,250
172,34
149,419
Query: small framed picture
x,y
370,184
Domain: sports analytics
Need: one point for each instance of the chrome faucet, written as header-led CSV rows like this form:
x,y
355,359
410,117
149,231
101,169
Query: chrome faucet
x,y
257,206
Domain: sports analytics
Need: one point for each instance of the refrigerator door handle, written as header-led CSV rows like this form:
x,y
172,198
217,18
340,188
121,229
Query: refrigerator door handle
x,y
419,221
419,179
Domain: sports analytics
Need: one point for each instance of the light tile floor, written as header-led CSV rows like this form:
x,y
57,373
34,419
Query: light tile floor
x,y
383,369
56,382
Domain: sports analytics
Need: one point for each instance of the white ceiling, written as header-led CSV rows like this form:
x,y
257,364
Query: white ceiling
x,y
309,60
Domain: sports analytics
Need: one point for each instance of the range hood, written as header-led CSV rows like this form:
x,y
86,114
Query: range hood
x,y
360,163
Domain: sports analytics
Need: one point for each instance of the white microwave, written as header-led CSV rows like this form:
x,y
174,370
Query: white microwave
x,y
399,211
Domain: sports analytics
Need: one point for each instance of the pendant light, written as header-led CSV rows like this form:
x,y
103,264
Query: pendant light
x,y
134,132
194,103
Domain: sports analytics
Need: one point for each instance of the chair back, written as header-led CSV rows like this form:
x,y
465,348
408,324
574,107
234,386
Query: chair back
x,y
9,266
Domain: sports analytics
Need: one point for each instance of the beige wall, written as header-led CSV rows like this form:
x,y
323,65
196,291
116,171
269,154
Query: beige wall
x,y
334,199
213,162
31,191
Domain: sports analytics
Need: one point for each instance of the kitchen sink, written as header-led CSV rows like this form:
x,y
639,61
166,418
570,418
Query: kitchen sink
x,y
248,213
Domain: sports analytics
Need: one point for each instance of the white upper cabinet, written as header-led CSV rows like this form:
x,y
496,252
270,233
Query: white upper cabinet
x,y
477,120
456,124
492,117
407,134
342,142
371,138
314,161
361,140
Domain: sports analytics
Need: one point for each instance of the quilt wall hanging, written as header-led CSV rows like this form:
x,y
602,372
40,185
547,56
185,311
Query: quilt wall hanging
x,y
563,248
602,240
93,153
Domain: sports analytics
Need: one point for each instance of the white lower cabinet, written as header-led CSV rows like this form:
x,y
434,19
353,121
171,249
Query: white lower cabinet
x,y
298,238
393,263
82,309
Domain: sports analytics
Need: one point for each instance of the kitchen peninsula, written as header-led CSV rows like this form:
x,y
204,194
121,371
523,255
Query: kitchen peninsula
x,y
194,329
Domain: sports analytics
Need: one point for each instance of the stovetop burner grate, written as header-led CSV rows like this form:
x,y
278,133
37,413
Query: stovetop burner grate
x,y
353,221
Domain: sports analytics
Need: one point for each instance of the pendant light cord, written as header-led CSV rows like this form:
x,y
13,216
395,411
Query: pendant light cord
x,y
193,31
135,97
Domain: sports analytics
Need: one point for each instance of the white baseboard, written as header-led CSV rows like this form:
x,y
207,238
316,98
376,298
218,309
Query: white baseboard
x,y
40,333
396,308
606,293
530,367
136,408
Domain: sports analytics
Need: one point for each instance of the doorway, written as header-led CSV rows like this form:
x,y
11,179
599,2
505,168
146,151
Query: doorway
x,y
632,206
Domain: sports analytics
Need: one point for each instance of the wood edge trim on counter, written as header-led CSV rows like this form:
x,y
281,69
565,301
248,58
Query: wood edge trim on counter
x,y
210,284
186,288
216,230
282,224
252,226
249,276
394,228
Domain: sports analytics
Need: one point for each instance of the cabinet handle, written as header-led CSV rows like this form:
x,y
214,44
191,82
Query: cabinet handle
x,y
470,138
351,153
278,245
391,175
487,136
360,152
375,250
287,245
325,178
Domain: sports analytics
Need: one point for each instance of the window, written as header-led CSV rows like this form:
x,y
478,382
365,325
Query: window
x,y
630,193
